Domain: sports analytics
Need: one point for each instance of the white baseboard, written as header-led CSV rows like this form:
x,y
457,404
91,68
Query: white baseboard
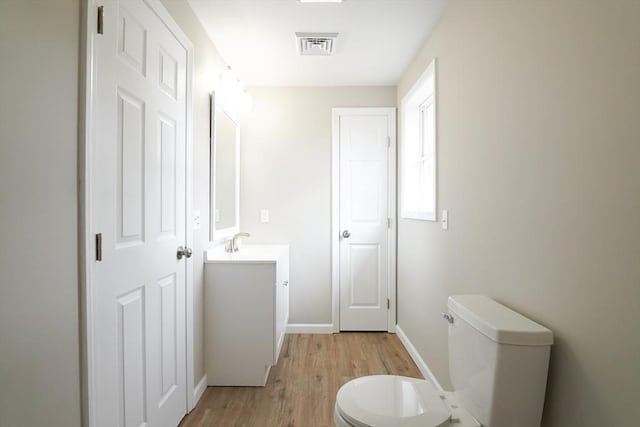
x,y
199,389
310,328
422,366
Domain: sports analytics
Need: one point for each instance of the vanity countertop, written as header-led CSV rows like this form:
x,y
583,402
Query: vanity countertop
x,y
246,254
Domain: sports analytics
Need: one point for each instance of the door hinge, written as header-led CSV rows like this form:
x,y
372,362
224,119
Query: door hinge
x,y
100,19
388,141
99,247
388,304
388,222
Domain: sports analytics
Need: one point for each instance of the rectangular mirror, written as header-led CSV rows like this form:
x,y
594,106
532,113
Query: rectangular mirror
x,y
225,162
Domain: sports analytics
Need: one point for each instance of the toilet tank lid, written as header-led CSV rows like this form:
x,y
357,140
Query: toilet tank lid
x,y
499,323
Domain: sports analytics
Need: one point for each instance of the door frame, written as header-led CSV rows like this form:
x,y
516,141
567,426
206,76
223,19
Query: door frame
x,y
86,244
336,113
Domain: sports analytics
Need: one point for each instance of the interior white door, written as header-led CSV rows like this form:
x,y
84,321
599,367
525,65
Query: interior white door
x,y
137,191
364,245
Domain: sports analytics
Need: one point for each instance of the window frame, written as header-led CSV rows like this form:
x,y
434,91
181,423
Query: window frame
x,y
414,107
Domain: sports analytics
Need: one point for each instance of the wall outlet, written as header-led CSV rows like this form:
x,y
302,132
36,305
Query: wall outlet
x,y
445,219
264,216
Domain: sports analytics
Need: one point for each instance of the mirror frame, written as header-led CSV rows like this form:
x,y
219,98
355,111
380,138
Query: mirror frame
x,y
219,236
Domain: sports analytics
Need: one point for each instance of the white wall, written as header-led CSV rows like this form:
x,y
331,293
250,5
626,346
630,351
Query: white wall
x,y
286,168
539,148
39,334
207,67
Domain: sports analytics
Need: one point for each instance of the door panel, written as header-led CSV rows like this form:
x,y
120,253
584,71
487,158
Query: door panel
x,y
363,213
168,74
169,345
132,41
364,280
130,190
138,183
365,197
167,177
131,357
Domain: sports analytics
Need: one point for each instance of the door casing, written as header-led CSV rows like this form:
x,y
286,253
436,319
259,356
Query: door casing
x,y
390,112
86,243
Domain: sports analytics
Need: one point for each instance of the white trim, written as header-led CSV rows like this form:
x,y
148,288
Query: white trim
x,y
189,200
417,359
393,230
86,250
335,220
85,241
425,216
418,85
310,328
199,390
335,211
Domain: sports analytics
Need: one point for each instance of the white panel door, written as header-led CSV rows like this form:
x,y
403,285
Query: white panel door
x,y
137,192
364,247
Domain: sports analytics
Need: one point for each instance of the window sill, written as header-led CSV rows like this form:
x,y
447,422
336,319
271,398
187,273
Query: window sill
x,y
424,216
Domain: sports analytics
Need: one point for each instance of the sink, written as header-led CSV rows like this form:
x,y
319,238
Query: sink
x,y
247,253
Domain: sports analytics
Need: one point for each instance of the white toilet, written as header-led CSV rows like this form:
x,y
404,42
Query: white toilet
x,y
498,361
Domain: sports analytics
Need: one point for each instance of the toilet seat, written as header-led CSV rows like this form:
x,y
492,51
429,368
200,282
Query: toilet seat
x,y
391,400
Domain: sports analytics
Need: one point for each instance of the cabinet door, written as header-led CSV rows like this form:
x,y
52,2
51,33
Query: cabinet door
x,y
282,301
284,268
239,322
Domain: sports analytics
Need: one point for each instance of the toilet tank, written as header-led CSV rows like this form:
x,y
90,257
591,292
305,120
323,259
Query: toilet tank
x,y
498,362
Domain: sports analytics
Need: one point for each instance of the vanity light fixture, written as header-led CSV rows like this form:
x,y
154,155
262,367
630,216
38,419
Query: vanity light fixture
x,y
231,93
228,77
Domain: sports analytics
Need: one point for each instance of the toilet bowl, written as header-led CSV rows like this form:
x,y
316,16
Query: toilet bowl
x,y
392,400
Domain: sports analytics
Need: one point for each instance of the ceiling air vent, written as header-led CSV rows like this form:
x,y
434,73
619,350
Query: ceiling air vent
x,y
322,44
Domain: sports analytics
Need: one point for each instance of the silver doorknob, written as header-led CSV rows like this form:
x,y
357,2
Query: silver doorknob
x,y
346,234
184,252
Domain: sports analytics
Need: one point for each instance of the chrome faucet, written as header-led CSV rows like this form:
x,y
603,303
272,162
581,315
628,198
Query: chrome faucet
x,y
231,245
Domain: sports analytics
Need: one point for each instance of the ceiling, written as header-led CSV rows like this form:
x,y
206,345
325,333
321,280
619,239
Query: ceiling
x,y
377,41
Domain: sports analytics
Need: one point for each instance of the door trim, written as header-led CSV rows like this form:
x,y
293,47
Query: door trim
x,y
336,113
86,248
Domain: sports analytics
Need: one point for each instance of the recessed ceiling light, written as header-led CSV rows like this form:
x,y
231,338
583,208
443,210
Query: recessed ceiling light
x,y
320,1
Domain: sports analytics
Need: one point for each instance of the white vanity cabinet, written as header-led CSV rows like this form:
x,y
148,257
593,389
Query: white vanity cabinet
x,y
246,313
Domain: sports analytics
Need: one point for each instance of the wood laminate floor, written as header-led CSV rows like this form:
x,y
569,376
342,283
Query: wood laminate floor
x,y
302,387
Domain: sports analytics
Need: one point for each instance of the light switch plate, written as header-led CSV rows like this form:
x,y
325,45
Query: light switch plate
x,y
445,219
217,215
264,216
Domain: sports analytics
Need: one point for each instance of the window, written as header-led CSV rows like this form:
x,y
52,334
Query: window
x,y
419,149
